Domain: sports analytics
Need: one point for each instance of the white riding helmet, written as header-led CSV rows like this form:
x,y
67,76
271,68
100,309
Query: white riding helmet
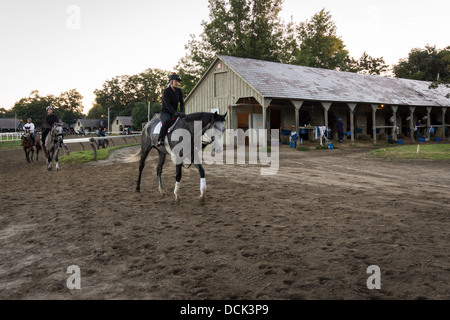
x,y
49,107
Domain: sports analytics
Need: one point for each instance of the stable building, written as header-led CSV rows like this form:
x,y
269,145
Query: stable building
x,y
121,124
268,95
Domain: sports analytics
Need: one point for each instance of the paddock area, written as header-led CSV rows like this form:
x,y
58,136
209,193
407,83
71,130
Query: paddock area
x,y
309,232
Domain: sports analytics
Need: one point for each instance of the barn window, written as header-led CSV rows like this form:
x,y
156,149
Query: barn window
x,y
220,84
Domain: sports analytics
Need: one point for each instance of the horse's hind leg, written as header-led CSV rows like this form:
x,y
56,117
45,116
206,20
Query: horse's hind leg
x,y
162,160
202,182
144,154
176,191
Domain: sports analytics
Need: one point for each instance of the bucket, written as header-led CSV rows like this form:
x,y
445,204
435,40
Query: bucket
x,y
293,144
330,146
438,139
421,139
400,141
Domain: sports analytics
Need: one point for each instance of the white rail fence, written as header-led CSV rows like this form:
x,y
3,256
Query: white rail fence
x,y
92,141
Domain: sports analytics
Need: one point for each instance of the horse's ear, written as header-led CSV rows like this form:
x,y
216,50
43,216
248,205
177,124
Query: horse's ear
x,y
225,115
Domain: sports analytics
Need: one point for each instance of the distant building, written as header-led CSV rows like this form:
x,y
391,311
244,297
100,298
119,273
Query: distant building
x,y
9,124
87,125
122,123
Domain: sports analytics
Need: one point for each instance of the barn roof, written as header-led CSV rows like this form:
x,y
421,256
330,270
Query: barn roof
x,y
126,120
89,123
284,81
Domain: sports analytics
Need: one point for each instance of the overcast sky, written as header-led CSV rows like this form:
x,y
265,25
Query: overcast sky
x,y
58,45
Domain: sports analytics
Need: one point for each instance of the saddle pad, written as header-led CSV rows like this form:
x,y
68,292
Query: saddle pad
x,y
157,129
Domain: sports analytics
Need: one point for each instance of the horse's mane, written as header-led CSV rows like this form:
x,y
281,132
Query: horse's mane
x,y
199,116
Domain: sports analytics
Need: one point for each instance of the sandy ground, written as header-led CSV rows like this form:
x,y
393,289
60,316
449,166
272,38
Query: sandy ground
x,y
308,232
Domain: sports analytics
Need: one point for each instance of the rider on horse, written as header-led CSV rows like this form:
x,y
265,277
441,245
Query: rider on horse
x,y
49,121
30,126
172,96
102,130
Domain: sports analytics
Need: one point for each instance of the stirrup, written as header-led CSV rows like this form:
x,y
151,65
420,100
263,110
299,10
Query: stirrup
x,y
160,143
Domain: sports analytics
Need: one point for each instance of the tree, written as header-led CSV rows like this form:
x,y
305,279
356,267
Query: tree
x,y
320,46
140,113
121,93
368,65
70,106
244,28
33,107
428,64
6,113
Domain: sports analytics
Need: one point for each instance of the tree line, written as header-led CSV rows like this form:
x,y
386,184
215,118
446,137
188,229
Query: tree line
x,y
243,28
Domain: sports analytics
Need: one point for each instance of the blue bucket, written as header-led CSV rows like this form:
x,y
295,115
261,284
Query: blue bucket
x,y
400,141
330,146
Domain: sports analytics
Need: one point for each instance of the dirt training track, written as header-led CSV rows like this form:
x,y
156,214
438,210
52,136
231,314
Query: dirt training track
x,y
309,232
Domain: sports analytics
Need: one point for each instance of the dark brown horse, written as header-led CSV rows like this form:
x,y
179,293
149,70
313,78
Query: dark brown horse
x,y
29,146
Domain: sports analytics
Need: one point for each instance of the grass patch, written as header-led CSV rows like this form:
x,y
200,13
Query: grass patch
x,y
303,149
88,155
409,152
9,144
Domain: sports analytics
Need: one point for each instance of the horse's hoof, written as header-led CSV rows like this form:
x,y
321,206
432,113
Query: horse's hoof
x,y
202,199
177,199
138,190
162,192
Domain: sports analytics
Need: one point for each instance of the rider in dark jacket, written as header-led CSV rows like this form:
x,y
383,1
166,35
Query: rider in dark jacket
x,y
172,96
49,121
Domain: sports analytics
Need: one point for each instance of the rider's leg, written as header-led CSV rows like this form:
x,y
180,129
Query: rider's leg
x,y
167,122
44,135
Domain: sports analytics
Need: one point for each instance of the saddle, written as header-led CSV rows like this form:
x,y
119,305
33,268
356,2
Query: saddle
x,y
157,129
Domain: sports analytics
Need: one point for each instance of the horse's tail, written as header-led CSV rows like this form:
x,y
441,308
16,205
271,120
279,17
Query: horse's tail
x,y
135,158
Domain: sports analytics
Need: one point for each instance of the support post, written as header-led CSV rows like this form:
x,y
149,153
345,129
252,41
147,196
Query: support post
x,y
411,121
394,129
352,107
374,122
444,110
429,122
297,104
326,106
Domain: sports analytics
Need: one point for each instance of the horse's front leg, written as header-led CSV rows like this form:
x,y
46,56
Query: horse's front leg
x,y
56,159
49,160
66,149
176,191
202,182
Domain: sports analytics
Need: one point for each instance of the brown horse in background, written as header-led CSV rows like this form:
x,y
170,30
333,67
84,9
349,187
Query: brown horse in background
x,y
28,146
